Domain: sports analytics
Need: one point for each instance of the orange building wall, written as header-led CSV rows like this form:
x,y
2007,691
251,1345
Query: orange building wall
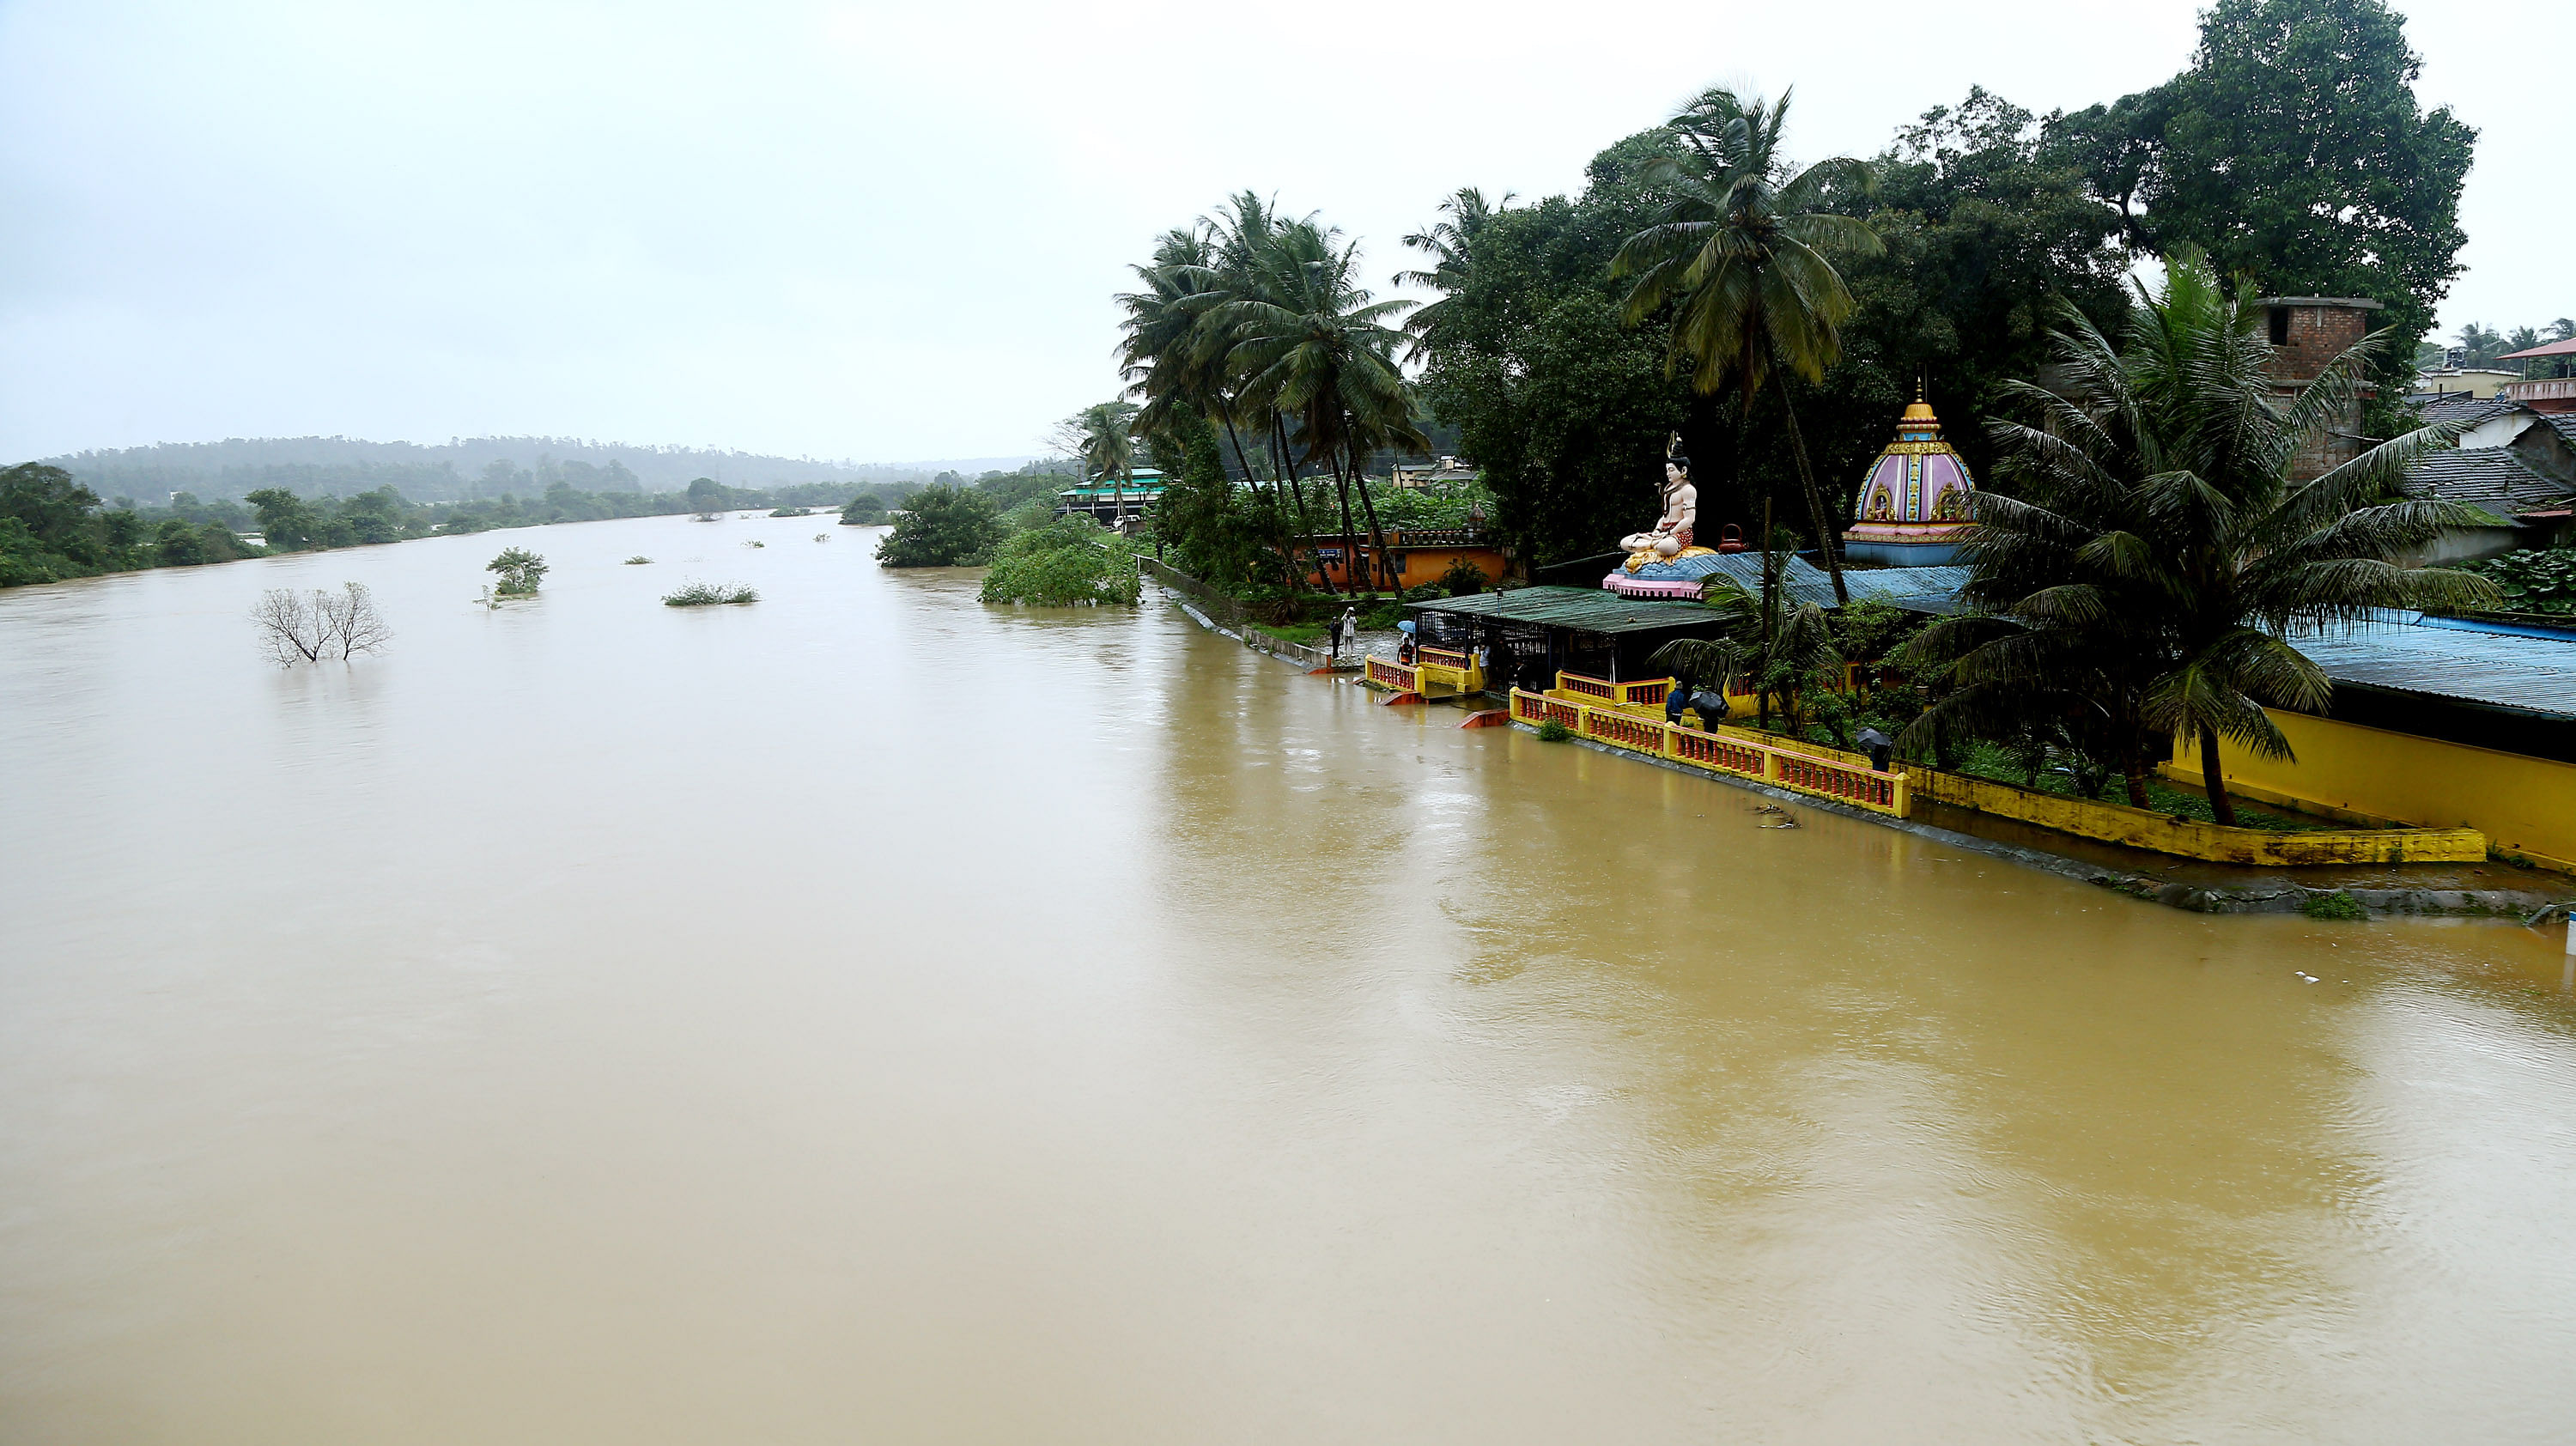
x,y
1424,564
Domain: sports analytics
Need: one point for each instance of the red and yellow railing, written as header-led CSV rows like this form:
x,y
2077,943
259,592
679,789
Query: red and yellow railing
x,y
1583,687
1806,768
1449,670
1387,673
1536,709
1647,693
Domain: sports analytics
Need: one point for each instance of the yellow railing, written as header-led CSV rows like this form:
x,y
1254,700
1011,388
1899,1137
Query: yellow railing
x,y
1536,709
1800,768
1644,693
1389,674
1449,669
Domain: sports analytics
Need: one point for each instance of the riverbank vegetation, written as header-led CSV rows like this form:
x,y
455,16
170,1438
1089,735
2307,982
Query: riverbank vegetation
x,y
1063,562
943,526
53,526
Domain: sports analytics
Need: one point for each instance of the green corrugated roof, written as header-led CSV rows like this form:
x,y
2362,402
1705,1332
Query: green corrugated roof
x,y
1591,609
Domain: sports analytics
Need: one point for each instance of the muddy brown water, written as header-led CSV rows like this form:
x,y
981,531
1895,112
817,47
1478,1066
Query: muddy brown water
x,y
867,1016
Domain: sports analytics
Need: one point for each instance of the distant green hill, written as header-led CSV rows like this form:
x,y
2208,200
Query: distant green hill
x,y
464,469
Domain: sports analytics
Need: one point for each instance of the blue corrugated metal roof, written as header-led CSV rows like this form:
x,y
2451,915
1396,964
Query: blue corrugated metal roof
x,y
2501,670
1805,582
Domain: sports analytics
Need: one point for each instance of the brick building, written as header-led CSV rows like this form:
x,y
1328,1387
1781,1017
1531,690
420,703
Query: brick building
x,y
2307,332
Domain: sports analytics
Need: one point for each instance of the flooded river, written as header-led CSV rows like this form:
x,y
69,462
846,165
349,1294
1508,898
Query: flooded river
x,y
868,1016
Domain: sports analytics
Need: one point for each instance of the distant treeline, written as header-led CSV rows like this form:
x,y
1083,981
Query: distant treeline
x,y
53,526
468,469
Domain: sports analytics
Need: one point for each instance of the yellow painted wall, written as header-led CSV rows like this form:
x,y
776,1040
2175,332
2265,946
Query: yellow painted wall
x,y
2188,838
2524,806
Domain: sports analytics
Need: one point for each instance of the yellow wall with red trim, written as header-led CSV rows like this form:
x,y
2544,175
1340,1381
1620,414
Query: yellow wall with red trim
x,y
2524,806
1422,564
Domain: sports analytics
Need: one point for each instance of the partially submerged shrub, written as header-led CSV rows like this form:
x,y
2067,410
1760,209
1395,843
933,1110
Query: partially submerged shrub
x,y
638,560
708,594
2338,905
1067,561
942,526
1552,731
521,571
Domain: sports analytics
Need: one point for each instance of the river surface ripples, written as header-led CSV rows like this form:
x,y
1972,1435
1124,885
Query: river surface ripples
x,y
870,1016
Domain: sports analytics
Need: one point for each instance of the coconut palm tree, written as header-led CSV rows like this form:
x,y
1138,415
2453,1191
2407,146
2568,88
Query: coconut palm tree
x,y
1102,435
1450,245
1155,354
1242,238
1314,347
2158,565
1743,253
1166,360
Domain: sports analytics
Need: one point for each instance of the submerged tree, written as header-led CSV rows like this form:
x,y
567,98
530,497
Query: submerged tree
x,y
521,571
942,526
2158,563
307,627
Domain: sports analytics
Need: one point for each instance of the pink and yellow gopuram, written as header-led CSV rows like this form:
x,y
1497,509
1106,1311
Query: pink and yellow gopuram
x,y
1913,505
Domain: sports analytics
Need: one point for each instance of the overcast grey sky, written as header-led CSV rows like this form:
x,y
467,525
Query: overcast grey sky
x,y
891,233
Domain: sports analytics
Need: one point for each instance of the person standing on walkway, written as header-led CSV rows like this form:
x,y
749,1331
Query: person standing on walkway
x,y
1348,634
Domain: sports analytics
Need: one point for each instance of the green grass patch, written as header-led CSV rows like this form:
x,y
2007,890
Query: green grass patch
x,y
2337,905
1308,634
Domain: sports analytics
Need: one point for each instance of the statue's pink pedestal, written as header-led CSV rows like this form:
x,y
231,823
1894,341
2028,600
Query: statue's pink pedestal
x,y
1627,586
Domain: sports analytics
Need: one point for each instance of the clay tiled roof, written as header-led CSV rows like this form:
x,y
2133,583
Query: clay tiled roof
x,y
2489,477
2465,409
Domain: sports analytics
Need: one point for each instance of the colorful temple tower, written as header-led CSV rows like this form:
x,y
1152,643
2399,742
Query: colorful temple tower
x,y
1913,505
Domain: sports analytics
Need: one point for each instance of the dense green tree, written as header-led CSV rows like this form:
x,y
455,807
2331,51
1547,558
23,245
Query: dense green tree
x,y
1062,562
285,520
1030,484
54,508
864,510
2293,151
942,526
375,516
1451,246
1204,524
2154,562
